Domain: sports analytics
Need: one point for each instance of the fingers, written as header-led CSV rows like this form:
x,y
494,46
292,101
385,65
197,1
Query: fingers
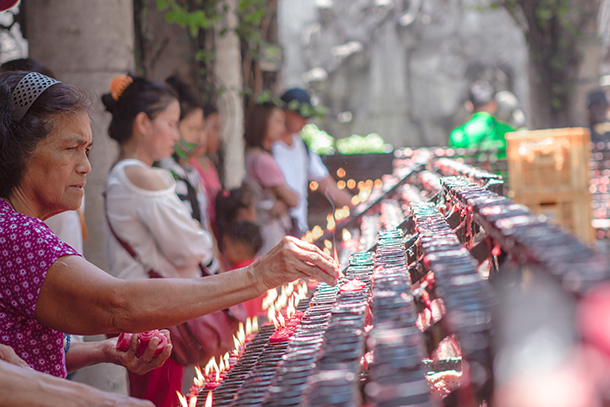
x,y
315,273
150,350
317,258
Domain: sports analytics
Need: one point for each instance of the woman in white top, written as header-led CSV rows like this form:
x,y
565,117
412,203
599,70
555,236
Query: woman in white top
x,y
144,212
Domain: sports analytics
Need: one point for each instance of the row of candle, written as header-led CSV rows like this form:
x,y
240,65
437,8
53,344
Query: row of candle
x,y
468,299
396,375
215,372
335,380
290,381
525,236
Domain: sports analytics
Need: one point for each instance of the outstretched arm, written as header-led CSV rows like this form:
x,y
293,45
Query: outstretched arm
x,y
77,297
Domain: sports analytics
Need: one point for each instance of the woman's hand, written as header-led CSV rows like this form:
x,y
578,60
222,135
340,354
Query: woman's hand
x,y
292,259
146,362
8,354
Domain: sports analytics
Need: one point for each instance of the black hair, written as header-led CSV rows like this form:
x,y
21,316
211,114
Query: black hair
x,y
19,139
209,109
481,93
247,233
26,64
188,101
142,95
257,121
229,202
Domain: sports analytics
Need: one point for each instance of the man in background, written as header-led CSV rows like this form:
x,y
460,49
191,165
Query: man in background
x,y
300,165
597,107
483,131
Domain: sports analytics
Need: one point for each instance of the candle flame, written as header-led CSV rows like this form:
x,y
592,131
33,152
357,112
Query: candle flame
x,y
217,376
271,313
274,320
241,334
346,235
330,222
221,367
248,326
209,400
280,319
236,343
297,299
336,257
226,358
290,310
255,324
182,399
193,401
199,379
289,289
214,365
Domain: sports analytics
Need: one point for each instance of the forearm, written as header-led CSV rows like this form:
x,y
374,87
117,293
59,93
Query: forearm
x,y
83,354
23,387
88,301
166,302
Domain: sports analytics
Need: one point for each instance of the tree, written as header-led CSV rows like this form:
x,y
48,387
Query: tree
x,y
556,31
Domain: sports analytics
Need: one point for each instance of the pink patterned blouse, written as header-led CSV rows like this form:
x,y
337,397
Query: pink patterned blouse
x,y
27,249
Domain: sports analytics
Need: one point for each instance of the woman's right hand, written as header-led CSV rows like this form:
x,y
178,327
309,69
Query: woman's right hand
x,y
290,260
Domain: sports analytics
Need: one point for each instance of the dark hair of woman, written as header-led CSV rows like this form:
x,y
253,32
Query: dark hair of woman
x,y
229,202
19,139
186,98
26,64
247,233
209,109
142,95
256,123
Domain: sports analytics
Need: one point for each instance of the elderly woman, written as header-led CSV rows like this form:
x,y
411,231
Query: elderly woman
x,y
47,289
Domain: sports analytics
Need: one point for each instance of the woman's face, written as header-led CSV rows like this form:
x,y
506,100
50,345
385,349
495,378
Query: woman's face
x,y
212,125
54,179
162,132
191,127
275,126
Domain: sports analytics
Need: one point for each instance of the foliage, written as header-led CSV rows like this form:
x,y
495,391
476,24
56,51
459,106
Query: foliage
x,y
195,15
553,30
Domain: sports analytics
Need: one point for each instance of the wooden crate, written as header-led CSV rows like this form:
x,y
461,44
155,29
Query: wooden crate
x,y
571,210
548,161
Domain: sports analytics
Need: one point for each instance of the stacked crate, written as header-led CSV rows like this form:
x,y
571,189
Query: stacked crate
x,y
549,173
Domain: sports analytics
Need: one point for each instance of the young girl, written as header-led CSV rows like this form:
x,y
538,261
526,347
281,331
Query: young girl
x,y
273,198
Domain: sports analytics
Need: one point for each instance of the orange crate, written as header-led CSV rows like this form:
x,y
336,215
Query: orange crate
x,y
548,160
571,210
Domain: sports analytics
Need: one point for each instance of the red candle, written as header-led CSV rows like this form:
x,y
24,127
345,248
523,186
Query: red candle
x,y
353,285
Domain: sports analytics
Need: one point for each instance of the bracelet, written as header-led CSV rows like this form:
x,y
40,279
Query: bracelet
x,y
67,338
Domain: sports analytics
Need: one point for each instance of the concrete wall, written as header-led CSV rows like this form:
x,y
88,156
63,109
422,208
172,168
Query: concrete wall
x,y
88,43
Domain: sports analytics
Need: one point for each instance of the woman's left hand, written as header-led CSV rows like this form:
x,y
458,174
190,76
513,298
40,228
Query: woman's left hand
x,y
145,362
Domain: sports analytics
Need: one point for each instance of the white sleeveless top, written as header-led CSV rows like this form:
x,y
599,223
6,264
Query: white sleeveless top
x,y
156,225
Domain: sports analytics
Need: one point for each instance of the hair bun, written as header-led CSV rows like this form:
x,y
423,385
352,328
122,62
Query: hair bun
x,y
109,103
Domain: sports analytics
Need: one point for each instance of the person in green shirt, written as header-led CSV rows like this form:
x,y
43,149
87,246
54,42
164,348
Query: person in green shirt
x,y
483,131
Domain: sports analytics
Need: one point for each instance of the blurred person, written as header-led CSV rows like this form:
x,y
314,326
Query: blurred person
x,y
597,108
235,205
483,131
202,162
241,242
148,227
300,165
189,185
273,197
